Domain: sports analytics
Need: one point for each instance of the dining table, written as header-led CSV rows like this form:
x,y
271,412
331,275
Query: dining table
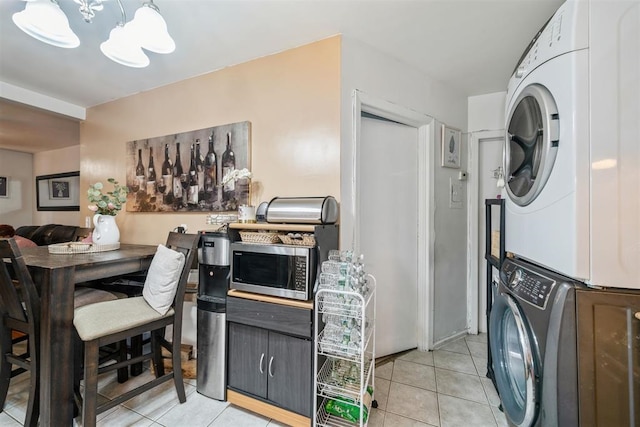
x,y
56,276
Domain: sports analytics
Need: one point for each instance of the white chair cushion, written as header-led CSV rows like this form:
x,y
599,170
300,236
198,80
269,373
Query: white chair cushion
x,y
106,318
162,279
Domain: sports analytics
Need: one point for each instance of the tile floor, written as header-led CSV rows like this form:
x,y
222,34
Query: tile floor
x,y
446,387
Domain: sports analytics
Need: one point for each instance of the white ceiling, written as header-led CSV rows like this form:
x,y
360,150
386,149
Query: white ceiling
x,y
470,45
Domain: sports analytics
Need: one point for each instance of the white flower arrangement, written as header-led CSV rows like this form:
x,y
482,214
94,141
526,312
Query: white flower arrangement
x,y
236,174
109,203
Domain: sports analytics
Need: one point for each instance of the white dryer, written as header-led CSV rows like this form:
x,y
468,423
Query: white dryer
x,y
572,150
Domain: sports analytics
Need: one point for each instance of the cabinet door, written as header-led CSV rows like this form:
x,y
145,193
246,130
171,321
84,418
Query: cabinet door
x,y
247,359
609,358
290,373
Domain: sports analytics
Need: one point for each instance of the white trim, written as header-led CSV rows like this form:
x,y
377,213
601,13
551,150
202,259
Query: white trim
x,y
474,212
426,131
35,99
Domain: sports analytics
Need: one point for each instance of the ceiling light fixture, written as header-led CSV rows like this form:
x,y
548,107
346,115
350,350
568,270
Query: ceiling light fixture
x,y
45,21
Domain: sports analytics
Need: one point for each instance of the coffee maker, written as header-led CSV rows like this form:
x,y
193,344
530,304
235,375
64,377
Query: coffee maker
x,y
214,275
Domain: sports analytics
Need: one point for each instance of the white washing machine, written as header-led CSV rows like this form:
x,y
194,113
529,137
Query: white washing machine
x,y
572,151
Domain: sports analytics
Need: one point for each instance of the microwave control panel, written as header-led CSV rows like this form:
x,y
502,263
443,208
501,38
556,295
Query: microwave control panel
x,y
300,273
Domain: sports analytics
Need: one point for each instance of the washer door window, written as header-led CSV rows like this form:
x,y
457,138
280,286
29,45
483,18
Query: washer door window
x,y
532,143
514,362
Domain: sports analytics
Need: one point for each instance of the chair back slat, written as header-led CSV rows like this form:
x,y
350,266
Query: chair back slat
x,y
19,297
186,244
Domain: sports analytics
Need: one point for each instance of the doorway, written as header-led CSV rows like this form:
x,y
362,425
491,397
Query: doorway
x,y
393,221
485,160
389,229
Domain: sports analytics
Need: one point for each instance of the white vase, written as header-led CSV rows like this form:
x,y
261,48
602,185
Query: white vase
x,y
106,230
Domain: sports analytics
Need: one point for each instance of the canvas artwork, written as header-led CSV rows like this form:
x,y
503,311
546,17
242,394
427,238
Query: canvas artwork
x,y
184,172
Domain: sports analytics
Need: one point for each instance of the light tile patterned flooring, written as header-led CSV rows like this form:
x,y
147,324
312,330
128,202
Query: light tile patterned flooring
x,y
446,388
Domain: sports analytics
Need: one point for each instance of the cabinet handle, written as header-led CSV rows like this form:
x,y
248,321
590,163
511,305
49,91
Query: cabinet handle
x,y
638,315
261,360
270,363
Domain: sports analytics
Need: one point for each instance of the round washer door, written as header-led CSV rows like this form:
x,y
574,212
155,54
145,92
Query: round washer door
x,y
514,361
532,143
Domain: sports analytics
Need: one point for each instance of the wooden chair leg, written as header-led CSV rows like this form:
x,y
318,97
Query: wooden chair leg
x,y
5,366
136,350
33,406
123,373
156,346
177,370
90,399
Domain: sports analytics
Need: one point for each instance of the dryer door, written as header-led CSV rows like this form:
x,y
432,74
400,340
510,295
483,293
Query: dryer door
x,y
532,143
514,361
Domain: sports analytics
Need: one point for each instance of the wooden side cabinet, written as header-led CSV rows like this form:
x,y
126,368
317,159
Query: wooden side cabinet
x,y
270,353
270,365
609,357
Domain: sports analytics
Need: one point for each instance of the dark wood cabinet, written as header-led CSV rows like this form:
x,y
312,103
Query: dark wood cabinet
x,y
289,369
265,360
609,357
270,347
248,347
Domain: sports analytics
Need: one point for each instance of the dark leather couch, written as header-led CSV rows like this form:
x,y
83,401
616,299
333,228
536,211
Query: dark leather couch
x,y
48,234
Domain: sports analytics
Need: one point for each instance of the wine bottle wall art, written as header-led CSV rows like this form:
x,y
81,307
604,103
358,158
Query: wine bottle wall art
x,y
192,165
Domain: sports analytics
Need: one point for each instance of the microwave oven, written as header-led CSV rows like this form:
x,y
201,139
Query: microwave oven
x,y
277,270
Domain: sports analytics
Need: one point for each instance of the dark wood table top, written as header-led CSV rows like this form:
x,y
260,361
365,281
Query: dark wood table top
x,y
91,266
40,257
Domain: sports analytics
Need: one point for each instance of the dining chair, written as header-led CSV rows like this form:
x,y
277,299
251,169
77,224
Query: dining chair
x,y
159,306
20,311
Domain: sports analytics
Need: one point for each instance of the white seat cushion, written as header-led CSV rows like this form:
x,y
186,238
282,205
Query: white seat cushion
x,y
105,318
162,278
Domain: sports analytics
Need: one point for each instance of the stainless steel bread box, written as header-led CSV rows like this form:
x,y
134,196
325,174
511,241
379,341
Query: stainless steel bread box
x,y
303,210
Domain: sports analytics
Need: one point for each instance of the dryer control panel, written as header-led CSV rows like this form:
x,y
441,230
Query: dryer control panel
x,y
527,285
566,31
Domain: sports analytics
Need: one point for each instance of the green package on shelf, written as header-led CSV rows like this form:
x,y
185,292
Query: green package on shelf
x,y
349,409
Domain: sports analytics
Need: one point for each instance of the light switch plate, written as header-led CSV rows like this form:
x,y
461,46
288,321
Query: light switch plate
x,y
455,194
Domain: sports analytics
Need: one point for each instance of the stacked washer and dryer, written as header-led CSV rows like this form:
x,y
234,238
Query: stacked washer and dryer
x,y
572,209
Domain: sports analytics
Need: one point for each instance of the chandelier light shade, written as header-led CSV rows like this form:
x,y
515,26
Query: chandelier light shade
x,y
120,49
45,21
151,30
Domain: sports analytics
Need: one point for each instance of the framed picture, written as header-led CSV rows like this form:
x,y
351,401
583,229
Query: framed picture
x,y
59,189
450,147
4,186
58,192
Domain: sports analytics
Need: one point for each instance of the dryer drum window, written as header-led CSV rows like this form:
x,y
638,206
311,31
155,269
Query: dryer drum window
x,y
532,142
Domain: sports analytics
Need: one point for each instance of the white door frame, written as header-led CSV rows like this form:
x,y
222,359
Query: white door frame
x,y
426,230
473,213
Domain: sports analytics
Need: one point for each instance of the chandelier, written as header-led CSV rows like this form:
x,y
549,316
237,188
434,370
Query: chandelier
x,y
45,21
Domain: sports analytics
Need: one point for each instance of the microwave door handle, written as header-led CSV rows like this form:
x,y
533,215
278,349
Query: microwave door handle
x,y
318,269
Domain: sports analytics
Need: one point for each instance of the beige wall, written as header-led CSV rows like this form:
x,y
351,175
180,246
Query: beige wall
x,y
17,209
58,161
292,100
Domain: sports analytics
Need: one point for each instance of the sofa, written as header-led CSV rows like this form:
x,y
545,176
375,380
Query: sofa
x,y
48,234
